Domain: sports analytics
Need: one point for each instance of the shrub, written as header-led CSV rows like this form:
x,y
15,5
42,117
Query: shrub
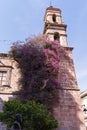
x,y
35,116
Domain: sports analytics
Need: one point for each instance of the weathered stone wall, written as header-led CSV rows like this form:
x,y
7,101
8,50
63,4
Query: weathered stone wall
x,y
68,110
67,75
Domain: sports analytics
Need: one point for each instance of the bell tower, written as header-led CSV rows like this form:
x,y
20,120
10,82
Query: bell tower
x,y
54,26
68,110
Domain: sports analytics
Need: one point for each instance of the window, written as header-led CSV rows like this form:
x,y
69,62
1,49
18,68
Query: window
x,y
3,75
54,18
56,36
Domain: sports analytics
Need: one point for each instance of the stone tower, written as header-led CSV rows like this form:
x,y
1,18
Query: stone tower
x,y
54,24
68,111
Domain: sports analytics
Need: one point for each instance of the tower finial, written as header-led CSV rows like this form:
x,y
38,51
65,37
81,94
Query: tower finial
x,y
50,2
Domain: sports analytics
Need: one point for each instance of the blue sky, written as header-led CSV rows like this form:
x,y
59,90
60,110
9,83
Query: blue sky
x,y
20,19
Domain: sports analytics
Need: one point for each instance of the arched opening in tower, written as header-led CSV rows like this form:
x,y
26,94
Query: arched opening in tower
x,y
56,36
54,18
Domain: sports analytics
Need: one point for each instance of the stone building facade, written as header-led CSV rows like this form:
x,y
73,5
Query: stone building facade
x,y
8,77
68,111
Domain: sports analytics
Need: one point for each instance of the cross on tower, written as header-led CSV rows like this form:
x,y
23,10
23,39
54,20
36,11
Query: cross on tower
x,y
50,2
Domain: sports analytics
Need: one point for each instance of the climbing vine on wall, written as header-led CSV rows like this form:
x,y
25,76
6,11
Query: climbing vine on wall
x,y
38,61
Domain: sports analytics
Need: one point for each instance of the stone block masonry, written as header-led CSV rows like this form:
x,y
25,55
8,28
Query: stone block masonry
x,y
68,111
67,75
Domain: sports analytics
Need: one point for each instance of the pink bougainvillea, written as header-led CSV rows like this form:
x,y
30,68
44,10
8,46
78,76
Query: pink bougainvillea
x,y
38,60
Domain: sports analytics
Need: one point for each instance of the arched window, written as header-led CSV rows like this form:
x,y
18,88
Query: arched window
x,y
56,36
54,18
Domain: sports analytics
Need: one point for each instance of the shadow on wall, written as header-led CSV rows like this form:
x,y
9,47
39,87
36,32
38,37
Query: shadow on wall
x,y
68,110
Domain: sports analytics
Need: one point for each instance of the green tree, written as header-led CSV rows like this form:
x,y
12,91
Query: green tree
x,y
35,116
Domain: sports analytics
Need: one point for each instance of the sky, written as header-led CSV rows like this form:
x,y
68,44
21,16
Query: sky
x,y
20,19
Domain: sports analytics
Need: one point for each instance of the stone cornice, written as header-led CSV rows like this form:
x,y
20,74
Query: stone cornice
x,y
6,66
56,25
69,48
52,8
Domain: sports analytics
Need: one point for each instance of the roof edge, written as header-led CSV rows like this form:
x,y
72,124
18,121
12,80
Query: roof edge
x,y
53,8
